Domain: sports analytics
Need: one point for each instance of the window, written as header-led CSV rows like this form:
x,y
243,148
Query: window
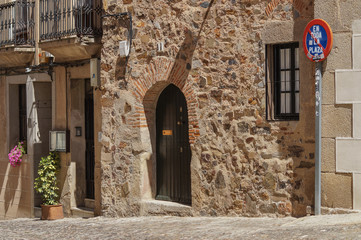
x,y
22,113
17,114
283,82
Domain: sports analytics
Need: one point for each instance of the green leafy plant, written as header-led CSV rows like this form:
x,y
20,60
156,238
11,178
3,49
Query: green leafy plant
x,y
46,184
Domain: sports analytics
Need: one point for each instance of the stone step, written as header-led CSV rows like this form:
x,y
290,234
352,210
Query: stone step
x,y
157,207
37,212
89,203
82,212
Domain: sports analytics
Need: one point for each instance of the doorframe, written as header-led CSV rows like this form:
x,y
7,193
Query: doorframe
x,y
148,135
78,200
87,80
22,79
180,97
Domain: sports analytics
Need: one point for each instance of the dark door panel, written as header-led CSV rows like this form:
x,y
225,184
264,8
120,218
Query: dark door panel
x,y
173,150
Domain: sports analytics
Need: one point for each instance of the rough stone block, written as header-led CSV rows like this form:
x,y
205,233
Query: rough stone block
x,y
328,88
348,16
348,155
356,191
337,13
276,32
347,84
328,155
329,13
336,190
356,26
336,121
340,57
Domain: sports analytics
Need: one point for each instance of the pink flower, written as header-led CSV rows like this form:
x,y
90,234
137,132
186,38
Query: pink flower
x,y
16,154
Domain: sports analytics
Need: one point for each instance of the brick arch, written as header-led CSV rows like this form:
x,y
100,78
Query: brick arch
x,y
157,75
299,5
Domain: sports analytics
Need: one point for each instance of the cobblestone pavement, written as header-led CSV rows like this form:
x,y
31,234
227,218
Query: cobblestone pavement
x,y
320,227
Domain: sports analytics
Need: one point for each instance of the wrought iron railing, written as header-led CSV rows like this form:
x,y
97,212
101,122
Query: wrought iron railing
x,y
60,18
17,23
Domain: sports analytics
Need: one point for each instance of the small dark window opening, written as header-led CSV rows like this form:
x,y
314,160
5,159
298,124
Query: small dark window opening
x,y
22,113
283,91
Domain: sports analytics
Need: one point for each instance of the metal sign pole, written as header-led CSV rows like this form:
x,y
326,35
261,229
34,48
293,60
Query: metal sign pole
x,y
317,44
318,98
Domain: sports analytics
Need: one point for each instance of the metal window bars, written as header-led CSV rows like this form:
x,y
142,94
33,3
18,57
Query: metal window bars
x,y
61,18
17,23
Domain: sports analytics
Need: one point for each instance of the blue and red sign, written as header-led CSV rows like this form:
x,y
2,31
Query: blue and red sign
x,y
317,40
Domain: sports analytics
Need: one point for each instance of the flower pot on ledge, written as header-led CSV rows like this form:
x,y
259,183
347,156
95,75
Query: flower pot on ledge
x,y
52,212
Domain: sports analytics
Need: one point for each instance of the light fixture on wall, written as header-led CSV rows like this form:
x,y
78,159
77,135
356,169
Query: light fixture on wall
x,y
45,57
78,131
124,48
160,47
95,72
58,141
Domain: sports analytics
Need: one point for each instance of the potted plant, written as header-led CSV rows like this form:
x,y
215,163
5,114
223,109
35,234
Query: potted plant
x,y
46,184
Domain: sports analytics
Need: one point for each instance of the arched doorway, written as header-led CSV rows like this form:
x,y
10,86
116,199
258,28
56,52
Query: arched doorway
x,y
173,150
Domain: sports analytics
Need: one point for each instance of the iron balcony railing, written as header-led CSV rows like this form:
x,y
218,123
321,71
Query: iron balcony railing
x,y
17,23
61,18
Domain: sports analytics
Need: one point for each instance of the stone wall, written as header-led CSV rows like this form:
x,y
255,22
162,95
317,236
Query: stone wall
x,y
340,121
214,52
15,182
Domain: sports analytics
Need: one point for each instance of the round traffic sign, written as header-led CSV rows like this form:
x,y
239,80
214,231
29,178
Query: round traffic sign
x,y
317,40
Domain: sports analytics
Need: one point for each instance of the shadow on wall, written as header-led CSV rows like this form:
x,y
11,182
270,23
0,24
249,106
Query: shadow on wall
x,y
120,71
301,146
17,202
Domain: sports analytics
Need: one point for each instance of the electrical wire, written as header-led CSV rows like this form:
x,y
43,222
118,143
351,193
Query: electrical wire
x,y
41,68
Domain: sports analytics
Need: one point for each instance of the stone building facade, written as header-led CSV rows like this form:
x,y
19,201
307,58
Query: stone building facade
x,y
45,86
242,162
340,161
210,114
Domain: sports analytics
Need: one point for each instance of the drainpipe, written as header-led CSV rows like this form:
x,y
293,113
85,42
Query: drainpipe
x,y
37,32
318,92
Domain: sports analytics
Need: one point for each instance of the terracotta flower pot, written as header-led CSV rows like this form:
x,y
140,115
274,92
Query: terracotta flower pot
x,y
52,212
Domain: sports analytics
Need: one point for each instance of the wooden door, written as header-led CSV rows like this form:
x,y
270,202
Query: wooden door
x,y
173,150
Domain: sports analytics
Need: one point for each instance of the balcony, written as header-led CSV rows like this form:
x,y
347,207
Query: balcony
x,y
17,33
70,29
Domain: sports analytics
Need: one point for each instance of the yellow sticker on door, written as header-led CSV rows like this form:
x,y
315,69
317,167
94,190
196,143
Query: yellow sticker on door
x,y
167,132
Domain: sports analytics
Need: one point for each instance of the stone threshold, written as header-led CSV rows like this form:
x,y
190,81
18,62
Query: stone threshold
x,y
82,212
159,208
330,211
76,212
37,212
89,203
